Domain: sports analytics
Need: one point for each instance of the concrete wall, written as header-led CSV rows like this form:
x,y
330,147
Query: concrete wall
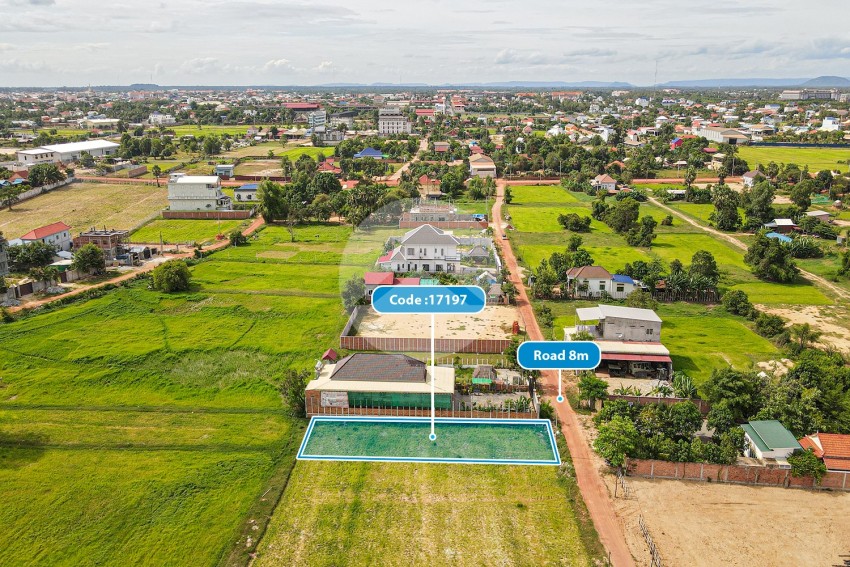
x,y
207,215
734,474
631,330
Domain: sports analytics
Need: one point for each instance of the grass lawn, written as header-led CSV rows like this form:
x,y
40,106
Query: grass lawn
x,y
412,514
193,130
815,158
184,231
83,205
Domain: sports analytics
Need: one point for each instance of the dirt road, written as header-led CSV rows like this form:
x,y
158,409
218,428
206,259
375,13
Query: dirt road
x,y
593,490
823,282
249,230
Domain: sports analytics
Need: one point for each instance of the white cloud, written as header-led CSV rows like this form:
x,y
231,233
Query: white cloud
x,y
324,67
278,65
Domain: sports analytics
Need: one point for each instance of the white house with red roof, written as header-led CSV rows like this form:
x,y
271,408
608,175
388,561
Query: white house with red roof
x,y
605,182
57,234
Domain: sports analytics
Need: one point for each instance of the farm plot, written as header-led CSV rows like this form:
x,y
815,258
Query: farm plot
x,y
83,205
184,231
815,158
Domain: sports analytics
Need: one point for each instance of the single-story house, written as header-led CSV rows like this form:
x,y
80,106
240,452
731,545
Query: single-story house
x,y
478,254
224,169
769,439
822,216
782,226
832,448
378,381
496,295
374,279
369,153
247,192
481,165
593,281
441,147
605,182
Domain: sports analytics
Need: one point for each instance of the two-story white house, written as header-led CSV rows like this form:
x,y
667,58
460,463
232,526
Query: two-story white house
x,y
605,182
57,234
197,193
423,249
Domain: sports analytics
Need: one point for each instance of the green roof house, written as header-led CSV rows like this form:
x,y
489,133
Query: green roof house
x,y
768,440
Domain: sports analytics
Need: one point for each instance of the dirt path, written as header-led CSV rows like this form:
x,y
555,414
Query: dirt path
x,y
823,282
249,230
593,490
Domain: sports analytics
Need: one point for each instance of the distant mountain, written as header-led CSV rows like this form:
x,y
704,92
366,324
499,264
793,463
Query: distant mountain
x,y
827,81
716,83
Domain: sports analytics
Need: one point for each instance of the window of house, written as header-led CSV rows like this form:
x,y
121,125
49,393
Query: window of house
x,y
650,331
425,267
439,267
620,287
601,286
410,251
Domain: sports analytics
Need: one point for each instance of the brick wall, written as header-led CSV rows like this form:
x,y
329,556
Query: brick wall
x,y
444,224
400,344
734,474
207,215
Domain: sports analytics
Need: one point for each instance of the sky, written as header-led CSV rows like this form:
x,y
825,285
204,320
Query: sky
x,y
288,42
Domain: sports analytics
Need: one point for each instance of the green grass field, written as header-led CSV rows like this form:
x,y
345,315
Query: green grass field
x,y
184,231
815,158
147,428
412,514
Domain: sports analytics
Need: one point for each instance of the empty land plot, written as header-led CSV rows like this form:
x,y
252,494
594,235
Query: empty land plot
x,y
266,167
494,322
184,231
707,524
83,205
815,158
415,514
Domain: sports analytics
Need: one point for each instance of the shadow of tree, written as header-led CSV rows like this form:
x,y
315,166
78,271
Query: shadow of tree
x,y
20,449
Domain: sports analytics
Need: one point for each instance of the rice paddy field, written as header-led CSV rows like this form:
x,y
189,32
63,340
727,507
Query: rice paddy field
x,y
139,427
83,205
815,158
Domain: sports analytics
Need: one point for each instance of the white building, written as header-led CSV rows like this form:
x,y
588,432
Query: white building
x,y
197,193
605,182
56,153
392,121
830,124
57,234
769,440
423,249
594,281
721,135
317,120
157,118
99,123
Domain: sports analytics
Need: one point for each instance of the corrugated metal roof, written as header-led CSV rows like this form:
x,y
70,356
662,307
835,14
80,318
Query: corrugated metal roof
x,y
379,368
769,435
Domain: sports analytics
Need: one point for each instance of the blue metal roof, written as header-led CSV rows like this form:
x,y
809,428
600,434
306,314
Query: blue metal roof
x,y
248,187
622,279
779,237
369,152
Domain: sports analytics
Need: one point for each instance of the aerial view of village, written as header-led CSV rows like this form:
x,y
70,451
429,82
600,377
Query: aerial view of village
x,y
424,284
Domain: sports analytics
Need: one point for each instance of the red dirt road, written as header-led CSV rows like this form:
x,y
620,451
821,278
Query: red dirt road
x,y
592,488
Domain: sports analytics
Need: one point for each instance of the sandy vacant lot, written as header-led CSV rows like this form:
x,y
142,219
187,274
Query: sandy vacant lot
x,y
829,319
494,322
696,523
83,205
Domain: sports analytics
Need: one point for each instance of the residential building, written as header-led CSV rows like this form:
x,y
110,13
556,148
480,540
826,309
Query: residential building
x,y
721,135
629,339
481,165
57,234
56,153
197,193
157,118
822,216
769,440
371,280
832,448
593,281
247,192
4,257
782,226
112,242
441,216
317,120
392,121
225,169
831,124
423,249
604,182
346,118
441,147
369,153
367,380
750,178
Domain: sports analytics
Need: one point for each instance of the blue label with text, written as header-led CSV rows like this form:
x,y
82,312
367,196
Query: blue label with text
x,y
415,299
559,355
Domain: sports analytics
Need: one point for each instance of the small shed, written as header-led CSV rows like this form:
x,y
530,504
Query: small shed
x,y
225,169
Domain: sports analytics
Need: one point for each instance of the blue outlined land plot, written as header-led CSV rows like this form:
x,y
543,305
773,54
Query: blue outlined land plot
x,y
405,440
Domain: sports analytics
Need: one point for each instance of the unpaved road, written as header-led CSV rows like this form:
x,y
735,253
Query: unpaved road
x,y
593,490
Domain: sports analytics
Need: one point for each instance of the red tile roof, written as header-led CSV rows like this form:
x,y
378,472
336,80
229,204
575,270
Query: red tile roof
x,y
406,281
46,231
378,278
833,448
